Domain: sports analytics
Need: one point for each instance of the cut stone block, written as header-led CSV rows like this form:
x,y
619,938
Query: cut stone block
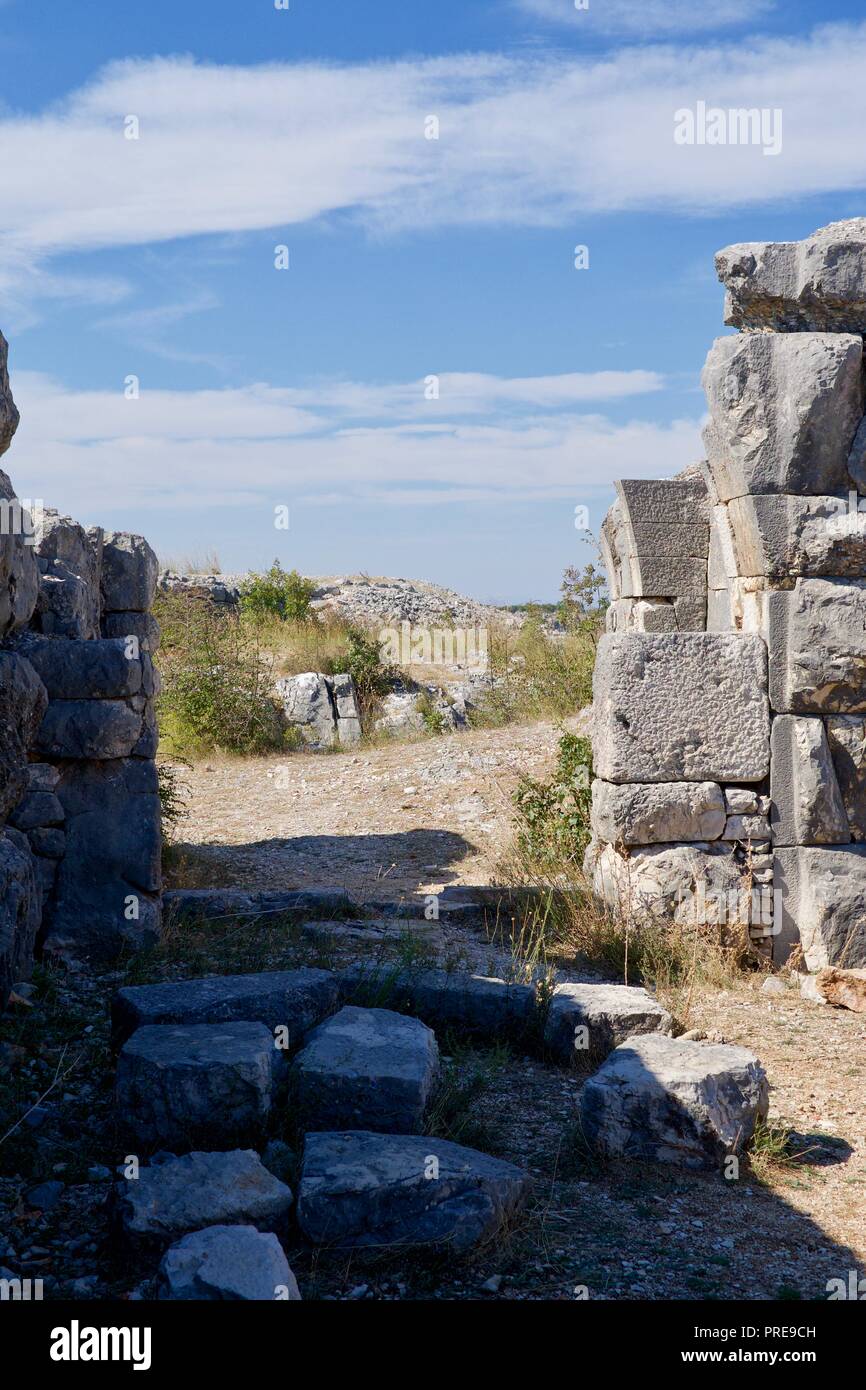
x,y
817,640
77,670
744,801
185,1085
747,828
477,1004
722,560
784,410
361,1190
100,730
782,536
667,502
820,902
657,812
35,809
795,286
615,547
807,803
668,1100
129,573
366,1069
165,1201
227,1263
692,884
686,707
308,707
19,573
587,1021
846,736
294,999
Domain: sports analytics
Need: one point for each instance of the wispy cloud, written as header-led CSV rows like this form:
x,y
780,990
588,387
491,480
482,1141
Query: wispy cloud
x,y
649,18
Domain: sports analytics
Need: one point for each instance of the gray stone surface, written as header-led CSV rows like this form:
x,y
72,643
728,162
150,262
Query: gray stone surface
x,y
345,703
817,283
227,1264
9,416
668,1100
47,841
807,804
369,1069
182,1086
478,1004
129,573
657,812
20,911
37,808
70,567
19,574
375,1191
77,670
587,1021
23,700
783,536
294,999
846,736
141,625
691,884
820,899
747,828
166,1201
784,410
691,707
817,641
308,707
90,729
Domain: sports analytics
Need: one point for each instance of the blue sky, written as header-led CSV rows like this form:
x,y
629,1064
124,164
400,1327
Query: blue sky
x,y
409,258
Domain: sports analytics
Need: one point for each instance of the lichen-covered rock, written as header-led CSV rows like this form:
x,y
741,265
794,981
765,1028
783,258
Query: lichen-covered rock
x,y
818,283
807,806
655,812
20,911
227,1264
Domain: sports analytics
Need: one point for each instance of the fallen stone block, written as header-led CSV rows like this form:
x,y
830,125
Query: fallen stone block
x,y
182,1086
291,999
373,1191
587,1021
227,1263
796,286
631,813
667,1100
477,1004
846,736
690,707
807,806
166,1201
844,988
784,409
817,642
820,903
308,707
369,1069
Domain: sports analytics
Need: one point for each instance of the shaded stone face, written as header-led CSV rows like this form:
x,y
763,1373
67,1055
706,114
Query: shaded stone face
x,y
820,899
818,284
817,642
807,806
8,410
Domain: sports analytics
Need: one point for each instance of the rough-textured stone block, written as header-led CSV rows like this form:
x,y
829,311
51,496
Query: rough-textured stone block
x,y
308,707
818,283
820,902
141,625
70,564
476,1004
846,736
374,1191
641,615
9,416
294,999
746,828
37,808
668,1100
657,812
692,884
23,701
20,911
227,1264
586,1021
185,1085
817,641
366,1069
19,573
666,502
46,841
75,670
784,410
129,573
690,707
721,560
166,1201
665,576
844,988
783,537
807,804
89,729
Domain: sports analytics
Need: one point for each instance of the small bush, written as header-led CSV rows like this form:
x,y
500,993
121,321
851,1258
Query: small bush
x,y
553,817
277,594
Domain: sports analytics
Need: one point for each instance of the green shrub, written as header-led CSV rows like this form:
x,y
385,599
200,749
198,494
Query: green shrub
x,y
277,594
553,816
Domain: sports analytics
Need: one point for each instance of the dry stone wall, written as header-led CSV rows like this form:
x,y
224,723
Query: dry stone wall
x,y
730,688
79,798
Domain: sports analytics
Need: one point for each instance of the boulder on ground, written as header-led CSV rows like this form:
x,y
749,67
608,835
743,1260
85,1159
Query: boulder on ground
x,y
227,1263
668,1100
375,1191
23,700
585,1022
845,988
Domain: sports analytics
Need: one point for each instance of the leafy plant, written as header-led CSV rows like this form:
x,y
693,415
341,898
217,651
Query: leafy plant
x,y
553,816
277,594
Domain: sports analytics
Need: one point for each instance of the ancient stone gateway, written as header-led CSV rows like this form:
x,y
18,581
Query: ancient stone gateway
x,y
730,689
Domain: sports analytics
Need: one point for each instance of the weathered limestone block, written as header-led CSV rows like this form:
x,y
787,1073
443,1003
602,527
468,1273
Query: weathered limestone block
x,y
846,736
129,573
345,704
669,1100
109,880
47,841
37,809
746,828
657,812
784,410
166,1201
690,707
615,547
19,573
745,801
20,911
362,1190
795,286
477,1004
661,538
369,1069
693,883
741,607
23,701
817,641
180,1086
9,416
820,902
141,625
721,560
807,804
90,729
293,999
784,536
70,567
227,1264
586,1021
308,707
75,670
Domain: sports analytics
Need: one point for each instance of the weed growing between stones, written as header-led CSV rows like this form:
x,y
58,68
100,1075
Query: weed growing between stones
x,y
467,1073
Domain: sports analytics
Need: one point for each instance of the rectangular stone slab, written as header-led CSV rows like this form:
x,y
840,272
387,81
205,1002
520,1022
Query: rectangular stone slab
x,y
817,641
820,902
791,286
689,706
846,735
807,804
784,536
649,813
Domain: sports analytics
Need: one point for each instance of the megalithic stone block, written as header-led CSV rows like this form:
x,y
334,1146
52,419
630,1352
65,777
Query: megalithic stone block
x,y
19,575
688,707
784,410
820,902
784,536
817,642
807,806
655,812
846,735
8,410
795,286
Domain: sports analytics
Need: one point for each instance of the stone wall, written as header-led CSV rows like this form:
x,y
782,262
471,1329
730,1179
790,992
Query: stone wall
x,y
730,689
79,802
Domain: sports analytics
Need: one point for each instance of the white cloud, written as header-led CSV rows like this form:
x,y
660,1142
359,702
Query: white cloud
x,y
645,18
